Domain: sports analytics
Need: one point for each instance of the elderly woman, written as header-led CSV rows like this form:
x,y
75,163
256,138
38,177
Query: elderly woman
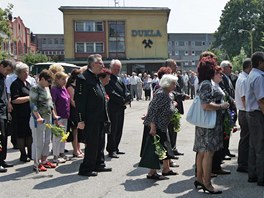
x,y
207,141
21,111
160,111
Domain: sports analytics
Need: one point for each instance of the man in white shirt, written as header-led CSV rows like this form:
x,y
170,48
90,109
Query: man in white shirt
x,y
240,92
133,85
255,117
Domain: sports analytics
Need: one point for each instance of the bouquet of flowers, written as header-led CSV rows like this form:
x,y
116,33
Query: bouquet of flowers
x,y
176,118
160,151
58,131
228,123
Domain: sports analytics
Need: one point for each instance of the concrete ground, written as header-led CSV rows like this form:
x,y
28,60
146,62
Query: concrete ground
x,y
126,179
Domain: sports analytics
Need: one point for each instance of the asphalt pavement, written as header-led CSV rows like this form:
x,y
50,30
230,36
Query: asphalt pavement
x,y
126,179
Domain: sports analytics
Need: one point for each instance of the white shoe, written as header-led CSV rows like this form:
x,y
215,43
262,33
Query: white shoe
x,y
58,160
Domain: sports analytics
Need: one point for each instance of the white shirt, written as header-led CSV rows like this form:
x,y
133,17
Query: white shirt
x,y
254,89
240,90
133,80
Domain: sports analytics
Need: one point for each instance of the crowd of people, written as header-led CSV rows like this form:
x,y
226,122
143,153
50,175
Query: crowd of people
x,y
91,103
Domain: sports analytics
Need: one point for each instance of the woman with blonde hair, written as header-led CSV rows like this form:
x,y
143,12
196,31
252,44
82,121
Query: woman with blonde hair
x,y
61,100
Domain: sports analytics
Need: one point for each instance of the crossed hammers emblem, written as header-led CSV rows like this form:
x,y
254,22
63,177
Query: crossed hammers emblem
x,y
147,43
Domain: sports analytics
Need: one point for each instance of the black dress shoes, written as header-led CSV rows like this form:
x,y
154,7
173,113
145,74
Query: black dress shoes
x,y
2,169
221,172
227,158
6,165
177,153
113,155
120,153
174,157
88,174
103,169
231,155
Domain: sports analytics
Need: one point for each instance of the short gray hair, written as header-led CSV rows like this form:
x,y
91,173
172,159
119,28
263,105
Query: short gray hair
x,y
21,66
114,62
225,63
167,80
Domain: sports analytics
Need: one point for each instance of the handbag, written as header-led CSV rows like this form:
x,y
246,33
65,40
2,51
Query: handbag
x,y
200,117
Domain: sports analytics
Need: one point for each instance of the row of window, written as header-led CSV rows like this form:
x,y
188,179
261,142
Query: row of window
x,y
185,53
89,47
89,26
53,52
189,43
52,40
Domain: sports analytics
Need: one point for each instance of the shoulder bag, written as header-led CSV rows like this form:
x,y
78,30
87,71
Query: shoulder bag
x,y
200,117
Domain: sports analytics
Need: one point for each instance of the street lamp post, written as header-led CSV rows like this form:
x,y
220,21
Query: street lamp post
x,y
250,32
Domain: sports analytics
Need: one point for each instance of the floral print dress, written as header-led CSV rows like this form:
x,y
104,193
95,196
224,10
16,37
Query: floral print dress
x,y
209,139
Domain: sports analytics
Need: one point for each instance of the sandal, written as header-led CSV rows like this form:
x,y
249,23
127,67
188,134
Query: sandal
x,y
170,173
156,177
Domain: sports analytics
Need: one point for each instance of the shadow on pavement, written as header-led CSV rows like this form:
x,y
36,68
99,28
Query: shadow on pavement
x,y
69,167
139,184
59,181
18,175
137,172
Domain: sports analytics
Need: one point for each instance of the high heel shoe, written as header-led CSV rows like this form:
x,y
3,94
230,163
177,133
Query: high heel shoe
x,y
211,191
198,184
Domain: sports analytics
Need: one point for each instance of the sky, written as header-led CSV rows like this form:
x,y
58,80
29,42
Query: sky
x,y
186,16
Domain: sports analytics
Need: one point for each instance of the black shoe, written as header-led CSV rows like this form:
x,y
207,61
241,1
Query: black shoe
x,y
89,174
211,191
6,165
120,153
227,158
103,169
173,164
231,155
221,172
198,185
24,159
242,170
177,153
66,151
174,157
113,155
260,183
170,173
252,180
2,169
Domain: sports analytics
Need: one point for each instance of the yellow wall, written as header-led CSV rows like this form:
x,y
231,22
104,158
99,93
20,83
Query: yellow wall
x,y
134,20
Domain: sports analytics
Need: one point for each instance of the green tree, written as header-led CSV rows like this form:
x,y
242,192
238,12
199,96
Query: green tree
x,y
239,15
238,60
262,40
5,32
31,59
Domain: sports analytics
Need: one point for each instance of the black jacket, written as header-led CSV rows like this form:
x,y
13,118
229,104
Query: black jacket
x,y
3,98
117,93
90,98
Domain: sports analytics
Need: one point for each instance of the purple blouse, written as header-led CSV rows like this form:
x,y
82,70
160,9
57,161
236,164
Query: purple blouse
x,y
61,100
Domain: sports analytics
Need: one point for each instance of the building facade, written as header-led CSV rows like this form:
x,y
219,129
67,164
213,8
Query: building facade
x,y
136,36
52,45
186,48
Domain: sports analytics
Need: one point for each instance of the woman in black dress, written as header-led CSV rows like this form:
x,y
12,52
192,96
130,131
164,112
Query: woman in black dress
x,y
21,111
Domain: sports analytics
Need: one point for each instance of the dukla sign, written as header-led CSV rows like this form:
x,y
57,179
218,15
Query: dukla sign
x,y
147,33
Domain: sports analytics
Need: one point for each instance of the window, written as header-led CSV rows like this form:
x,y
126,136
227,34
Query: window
x,y
89,26
79,48
176,43
90,47
193,63
186,53
170,43
62,41
204,42
193,53
56,41
176,53
198,43
117,38
44,41
181,43
49,41
185,43
186,63
193,43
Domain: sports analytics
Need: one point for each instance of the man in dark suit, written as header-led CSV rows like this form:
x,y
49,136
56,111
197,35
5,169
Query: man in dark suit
x,y
229,89
118,98
91,105
6,67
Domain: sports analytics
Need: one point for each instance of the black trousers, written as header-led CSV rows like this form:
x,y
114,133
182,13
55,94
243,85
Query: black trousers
x,y
94,147
117,123
243,147
173,136
3,139
256,145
